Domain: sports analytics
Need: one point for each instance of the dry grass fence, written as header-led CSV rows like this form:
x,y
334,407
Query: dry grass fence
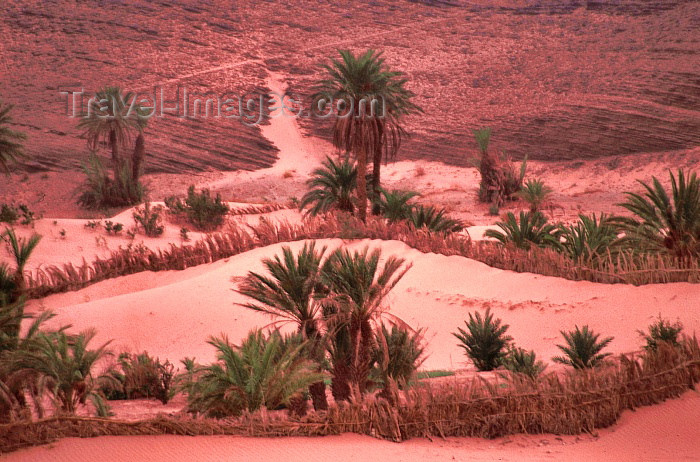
x,y
576,402
241,238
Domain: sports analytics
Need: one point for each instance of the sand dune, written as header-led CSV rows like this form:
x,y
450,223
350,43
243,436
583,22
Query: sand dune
x,y
171,314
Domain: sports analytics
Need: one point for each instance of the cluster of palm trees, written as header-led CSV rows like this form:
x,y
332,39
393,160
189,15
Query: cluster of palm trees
x,y
661,223
39,361
336,302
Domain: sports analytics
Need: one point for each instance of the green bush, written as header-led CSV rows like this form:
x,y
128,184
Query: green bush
x,y
8,214
661,331
582,349
484,341
202,211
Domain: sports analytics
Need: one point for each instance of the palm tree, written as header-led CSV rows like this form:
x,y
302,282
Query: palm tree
x,y
528,229
331,186
582,349
362,81
65,364
10,147
21,249
535,193
289,293
433,219
139,147
589,238
357,288
663,223
484,340
263,371
108,120
394,205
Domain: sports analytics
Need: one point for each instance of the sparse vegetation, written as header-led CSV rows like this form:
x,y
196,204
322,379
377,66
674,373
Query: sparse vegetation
x,y
525,362
485,340
149,219
204,212
582,349
101,191
140,376
113,228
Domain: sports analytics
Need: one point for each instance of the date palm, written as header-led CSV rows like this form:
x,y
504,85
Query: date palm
x,y
358,286
109,120
21,249
665,223
10,140
367,130
289,293
331,187
394,204
582,349
525,231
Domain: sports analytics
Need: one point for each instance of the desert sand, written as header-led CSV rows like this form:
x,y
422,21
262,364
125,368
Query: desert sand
x,y
171,314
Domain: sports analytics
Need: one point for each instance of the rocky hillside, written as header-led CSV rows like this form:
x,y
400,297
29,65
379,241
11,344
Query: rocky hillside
x,y
555,80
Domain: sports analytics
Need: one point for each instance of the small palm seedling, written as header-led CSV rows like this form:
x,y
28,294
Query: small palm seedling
x,y
394,205
397,355
582,349
663,223
484,341
265,370
525,362
202,210
530,229
331,187
433,219
661,331
589,238
535,193
21,249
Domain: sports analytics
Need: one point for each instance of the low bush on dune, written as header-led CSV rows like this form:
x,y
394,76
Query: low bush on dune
x,y
140,376
149,219
525,362
204,212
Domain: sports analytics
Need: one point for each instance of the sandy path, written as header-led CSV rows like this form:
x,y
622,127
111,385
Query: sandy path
x,y
171,314
649,434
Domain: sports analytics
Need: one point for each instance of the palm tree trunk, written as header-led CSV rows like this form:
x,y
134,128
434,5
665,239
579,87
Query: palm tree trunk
x,y
115,152
377,170
137,158
362,184
318,396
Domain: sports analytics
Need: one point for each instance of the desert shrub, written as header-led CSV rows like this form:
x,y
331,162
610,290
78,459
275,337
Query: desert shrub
x,y
8,214
661,331
397,355
521,361
149,219
535,193
202,211
331,187
582,349
589,238
663,223
113,228
101,191
527,230
140,376
484,341
394,204
433,219
265,370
